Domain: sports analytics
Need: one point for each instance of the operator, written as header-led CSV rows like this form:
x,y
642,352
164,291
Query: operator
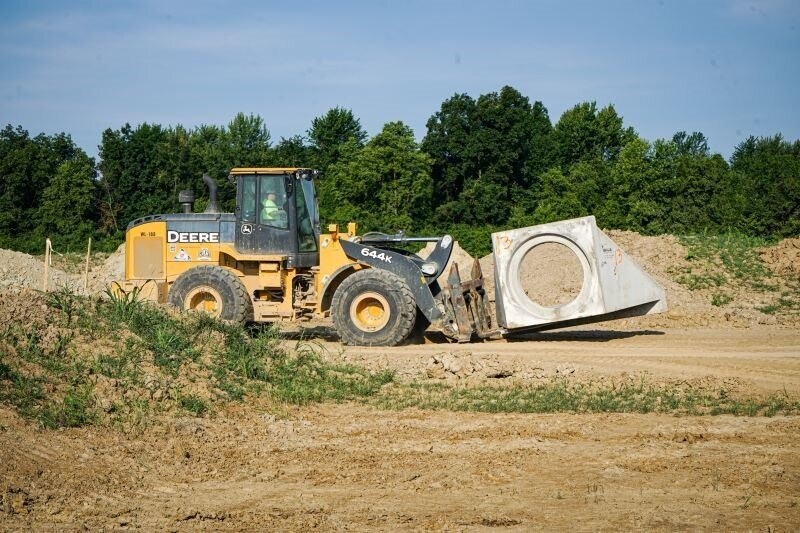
x,y
270,209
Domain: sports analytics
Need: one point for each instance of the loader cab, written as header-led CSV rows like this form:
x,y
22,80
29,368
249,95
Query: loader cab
x,y
277,214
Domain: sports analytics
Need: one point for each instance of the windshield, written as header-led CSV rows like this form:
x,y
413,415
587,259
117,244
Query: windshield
x,y
272,195
263,200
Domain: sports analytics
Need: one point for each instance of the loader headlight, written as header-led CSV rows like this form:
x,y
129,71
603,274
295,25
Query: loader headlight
x,y
429,269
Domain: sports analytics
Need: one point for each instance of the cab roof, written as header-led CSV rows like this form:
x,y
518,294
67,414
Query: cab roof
x,y
266,170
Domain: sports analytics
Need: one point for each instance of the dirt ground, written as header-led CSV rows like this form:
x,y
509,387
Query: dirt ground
x,y
353,467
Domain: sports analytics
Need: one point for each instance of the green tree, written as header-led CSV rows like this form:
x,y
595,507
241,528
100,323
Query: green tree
x,y
68,202
583,133
670,186
248,141
689,180
449,142
695,144
132,164
482,202
291,152
542,152
504,128
18,189
385,185
631,201
487,155
329,133
768,169
27,166
556,198
209,152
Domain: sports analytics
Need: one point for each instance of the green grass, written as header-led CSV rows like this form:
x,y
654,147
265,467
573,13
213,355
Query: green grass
x,y
165,336
735,252
65,301
560,396
705,280
193,404
304,378
720,299
23,392
74,410
785,303
27,394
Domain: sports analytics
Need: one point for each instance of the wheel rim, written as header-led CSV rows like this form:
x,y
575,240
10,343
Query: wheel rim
x,y
369,311
204,299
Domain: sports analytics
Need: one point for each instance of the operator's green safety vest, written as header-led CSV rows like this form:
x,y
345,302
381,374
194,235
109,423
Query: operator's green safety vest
x,y
269,210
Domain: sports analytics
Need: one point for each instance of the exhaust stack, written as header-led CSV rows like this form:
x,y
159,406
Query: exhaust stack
x,y
614,286
212,207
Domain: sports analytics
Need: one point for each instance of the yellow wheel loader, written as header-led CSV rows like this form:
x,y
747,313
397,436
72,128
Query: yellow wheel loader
x,y
269,261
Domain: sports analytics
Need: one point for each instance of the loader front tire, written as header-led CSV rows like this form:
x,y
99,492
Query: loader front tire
x,y
213,290
373,307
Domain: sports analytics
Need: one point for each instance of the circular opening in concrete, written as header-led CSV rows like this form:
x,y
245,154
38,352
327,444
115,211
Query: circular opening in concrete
x,y
551,274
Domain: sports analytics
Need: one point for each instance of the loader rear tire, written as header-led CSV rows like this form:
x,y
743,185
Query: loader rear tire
x,y
213,290
373,307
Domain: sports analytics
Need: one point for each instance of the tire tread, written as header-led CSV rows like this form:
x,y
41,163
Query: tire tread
x,y
392,283
219,278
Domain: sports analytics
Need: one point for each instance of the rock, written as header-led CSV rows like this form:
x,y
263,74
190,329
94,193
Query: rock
x,y
768,320
451,364
500,373
435,371
565,369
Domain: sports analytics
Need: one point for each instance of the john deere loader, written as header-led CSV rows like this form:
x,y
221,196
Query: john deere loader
x,y
269,261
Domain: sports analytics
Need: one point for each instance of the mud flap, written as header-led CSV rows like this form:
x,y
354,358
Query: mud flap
x,y
465,306
614,286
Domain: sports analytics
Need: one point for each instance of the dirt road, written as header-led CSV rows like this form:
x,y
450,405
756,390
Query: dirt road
x,y
756,360
357,468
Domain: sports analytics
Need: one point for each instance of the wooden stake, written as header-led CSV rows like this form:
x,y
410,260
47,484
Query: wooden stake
x,y
47,248
86,272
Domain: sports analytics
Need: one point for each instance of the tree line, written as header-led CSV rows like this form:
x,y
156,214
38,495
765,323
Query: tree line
x,y
484,164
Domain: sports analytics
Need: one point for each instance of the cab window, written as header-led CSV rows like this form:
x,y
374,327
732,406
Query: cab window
x,y
272,201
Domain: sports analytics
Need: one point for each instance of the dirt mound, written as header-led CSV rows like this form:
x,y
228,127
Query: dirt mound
x,y
784,257
23,271
113,269
18,270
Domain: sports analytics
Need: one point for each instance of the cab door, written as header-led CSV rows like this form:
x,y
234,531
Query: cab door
x,y
266,215
246,214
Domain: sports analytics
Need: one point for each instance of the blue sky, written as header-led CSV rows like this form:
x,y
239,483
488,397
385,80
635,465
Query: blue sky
x,y
728,68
